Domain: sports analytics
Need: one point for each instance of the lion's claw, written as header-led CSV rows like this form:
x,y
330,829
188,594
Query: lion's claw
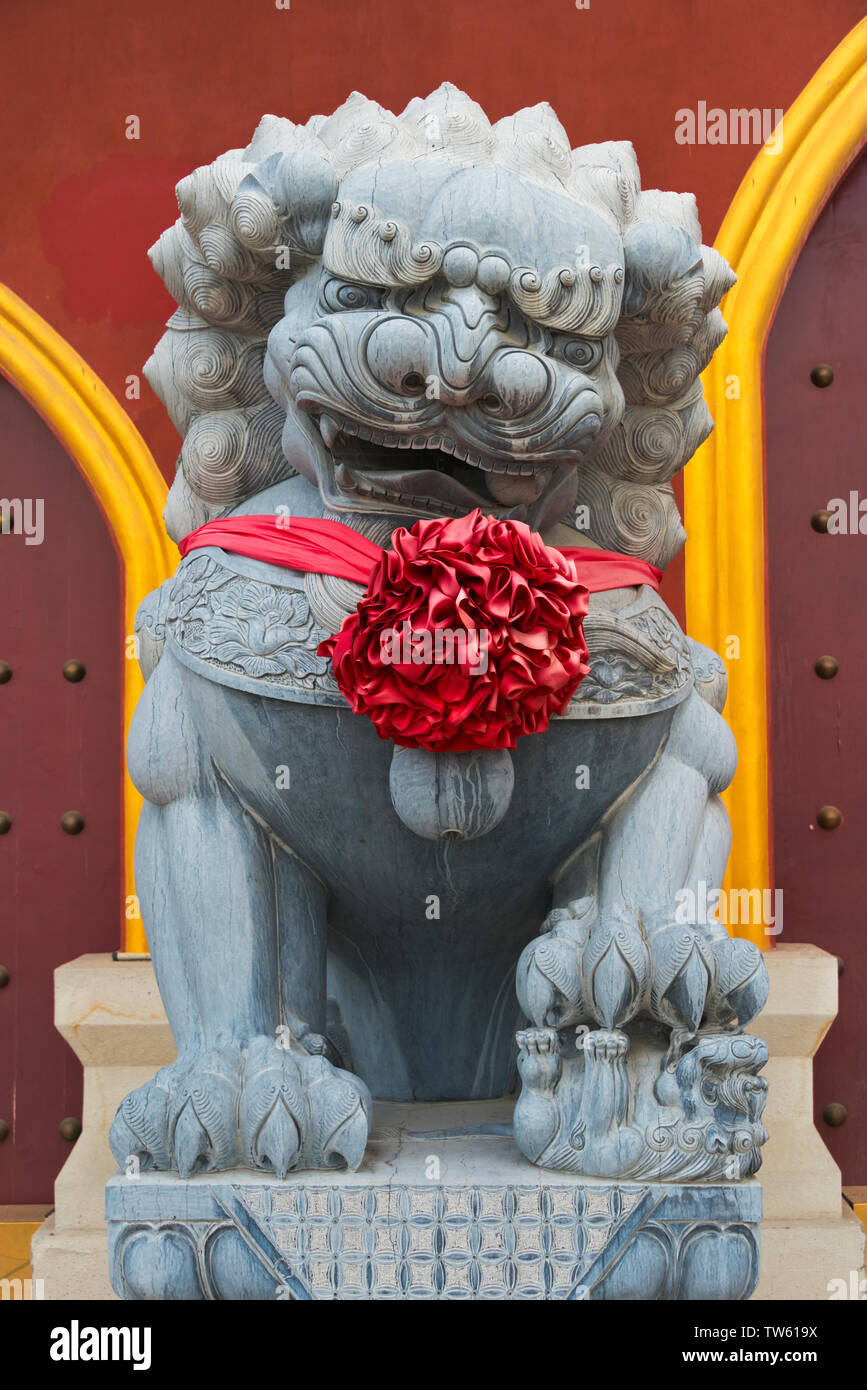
x,y
267,1105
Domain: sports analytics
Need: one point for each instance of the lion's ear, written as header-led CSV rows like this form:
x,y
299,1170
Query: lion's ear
x,y
286,201
250,223
668,331
606,176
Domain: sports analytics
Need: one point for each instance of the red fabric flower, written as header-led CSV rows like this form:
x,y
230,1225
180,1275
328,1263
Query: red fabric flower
x,y
510,652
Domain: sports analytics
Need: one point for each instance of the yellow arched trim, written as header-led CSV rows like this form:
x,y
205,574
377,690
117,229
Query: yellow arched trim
x,y
764,229
122,474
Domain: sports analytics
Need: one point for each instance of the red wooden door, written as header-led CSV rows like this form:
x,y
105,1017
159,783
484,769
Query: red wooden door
x,y
818,608
60,751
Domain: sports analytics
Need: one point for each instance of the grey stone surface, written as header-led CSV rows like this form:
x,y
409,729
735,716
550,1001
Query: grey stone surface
x,y
384,319
442,1208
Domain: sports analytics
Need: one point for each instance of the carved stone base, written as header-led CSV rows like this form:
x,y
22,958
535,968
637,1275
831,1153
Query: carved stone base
x,y
443,1207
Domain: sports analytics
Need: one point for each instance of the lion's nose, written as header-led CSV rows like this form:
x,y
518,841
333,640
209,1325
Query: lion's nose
x,y
405,355
398,353
516,384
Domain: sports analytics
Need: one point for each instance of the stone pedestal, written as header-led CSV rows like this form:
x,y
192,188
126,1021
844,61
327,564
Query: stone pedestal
x,y
443,1207
112,1016
809,1235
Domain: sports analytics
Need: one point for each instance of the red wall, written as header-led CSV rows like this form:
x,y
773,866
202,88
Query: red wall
x,y
815,450
84,202
61,749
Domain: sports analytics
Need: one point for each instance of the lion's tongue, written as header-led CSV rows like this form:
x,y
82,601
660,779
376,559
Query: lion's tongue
x,y
510,489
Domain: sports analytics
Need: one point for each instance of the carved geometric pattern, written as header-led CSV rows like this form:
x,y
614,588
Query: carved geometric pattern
x,y
452,1243
353,1241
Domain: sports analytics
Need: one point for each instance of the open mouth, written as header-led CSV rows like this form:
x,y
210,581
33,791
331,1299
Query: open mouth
x,y
371,466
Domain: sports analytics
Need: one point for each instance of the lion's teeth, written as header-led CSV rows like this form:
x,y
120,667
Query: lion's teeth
x,y
346,481
513,483
329,429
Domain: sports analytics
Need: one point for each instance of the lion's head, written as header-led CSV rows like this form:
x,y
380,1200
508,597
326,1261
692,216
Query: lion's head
x,y
424,314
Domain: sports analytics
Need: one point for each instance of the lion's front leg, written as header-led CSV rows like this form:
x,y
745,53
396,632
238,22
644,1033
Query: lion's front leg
x,y
664,854
236,928
632,955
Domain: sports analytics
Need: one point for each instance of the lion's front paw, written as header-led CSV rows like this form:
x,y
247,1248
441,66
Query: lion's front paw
x,y
185,1118
299,1111
269,1104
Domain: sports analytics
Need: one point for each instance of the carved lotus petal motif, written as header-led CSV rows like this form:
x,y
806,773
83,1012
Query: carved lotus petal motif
x,y
549,982
192,1144
140,1127
273,1112
340,1105
687,992
278,1141
682,977
559,964
202,1113
741,986
615,973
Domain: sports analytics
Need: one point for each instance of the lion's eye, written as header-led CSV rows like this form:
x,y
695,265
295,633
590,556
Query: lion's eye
x,y
351,297
582,352
342,296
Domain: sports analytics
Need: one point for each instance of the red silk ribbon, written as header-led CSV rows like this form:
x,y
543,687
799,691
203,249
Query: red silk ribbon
x,y
317,546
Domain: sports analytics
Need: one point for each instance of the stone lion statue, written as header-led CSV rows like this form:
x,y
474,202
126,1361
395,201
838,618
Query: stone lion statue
x,y
383,319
